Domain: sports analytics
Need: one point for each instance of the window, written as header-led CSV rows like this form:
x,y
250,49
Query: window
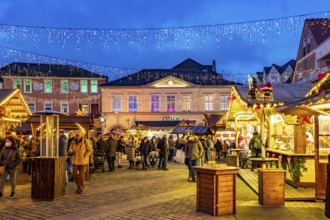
x,y
304,47
154,103
132,103
83,86
94,86
48,86
116,103
27,85
32,106
186,103
17,84
48,106
65,107
208,102
64,86
224,103
84,108
170,103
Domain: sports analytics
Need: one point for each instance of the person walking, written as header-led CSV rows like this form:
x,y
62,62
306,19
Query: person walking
x,y
10,157
145,149
218,148
63,149
171,146
110,154
120,150
194,152
80,149
131,151
163,153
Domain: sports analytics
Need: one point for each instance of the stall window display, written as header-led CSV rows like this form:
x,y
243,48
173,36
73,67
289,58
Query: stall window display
x,y
281,134
324,138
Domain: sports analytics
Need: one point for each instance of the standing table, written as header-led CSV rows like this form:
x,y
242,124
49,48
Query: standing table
x,y
216,189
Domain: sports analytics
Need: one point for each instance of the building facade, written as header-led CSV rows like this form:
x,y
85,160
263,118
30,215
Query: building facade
x,y
63,88
277,74
184,93
313,55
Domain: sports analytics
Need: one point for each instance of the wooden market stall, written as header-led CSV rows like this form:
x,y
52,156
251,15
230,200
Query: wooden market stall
x,y
280,139
313,112
13,110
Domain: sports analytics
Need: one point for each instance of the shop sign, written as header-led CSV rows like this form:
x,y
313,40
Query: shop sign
x,y
292,119
170,118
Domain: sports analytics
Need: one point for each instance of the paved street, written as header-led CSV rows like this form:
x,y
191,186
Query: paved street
x,y
151,194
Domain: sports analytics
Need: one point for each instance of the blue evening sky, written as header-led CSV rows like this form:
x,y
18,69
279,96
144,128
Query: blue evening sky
x,y
235,59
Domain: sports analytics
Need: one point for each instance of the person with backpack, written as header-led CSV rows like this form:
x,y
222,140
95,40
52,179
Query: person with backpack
x,y
255,147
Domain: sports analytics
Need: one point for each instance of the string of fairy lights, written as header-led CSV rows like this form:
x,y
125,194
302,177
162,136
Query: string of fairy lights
x,y
91,37
160,36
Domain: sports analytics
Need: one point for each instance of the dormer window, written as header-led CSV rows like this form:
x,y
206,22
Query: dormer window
x,y
204,71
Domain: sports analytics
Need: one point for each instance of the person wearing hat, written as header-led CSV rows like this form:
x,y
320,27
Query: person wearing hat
x,y
80,149
10,157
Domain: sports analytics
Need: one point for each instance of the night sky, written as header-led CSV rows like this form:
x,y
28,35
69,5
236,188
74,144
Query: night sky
x,y
235,58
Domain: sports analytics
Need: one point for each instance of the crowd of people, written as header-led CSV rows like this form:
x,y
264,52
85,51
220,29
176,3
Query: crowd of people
x,y
85,154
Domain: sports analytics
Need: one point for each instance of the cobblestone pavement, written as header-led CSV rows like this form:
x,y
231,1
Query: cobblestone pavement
x,y
151,194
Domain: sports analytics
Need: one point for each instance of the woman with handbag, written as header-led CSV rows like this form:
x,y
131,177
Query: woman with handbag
x,y
10,157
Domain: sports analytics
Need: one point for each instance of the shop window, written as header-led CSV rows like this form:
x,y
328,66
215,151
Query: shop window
x,y
48,106
132,103
186,103
83,86
224,103
155,103
48,86
64,86
65,107
17,84
208,100
32,106
94,86
170,103
27,86
116,103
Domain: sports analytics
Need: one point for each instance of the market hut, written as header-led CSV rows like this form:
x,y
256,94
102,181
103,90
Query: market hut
x,y
13,110
313,111
252,108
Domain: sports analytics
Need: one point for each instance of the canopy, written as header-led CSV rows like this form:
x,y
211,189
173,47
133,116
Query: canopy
x,y
193,129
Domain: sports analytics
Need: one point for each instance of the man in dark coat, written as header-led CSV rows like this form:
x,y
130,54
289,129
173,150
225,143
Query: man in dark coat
x,y
145,149
111,146
164,151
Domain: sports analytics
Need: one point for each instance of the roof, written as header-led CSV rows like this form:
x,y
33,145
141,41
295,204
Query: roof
x,y
4,93
194,74
159,124
65,120
46,70
319,28
212,119
302,106
285,93
193,129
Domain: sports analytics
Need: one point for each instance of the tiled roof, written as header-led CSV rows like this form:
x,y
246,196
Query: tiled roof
x,y
320,28
285,93
4,93
196,74
46,70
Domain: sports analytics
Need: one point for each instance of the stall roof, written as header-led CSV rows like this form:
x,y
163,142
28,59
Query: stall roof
x,y
156,124
282,92
65,121
302,106
193,129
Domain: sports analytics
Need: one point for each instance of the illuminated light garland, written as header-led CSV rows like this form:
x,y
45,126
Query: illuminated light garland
x,y
316,88
61,36
111,71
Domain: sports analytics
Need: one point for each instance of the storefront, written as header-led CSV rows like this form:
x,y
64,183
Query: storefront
x,y
13,110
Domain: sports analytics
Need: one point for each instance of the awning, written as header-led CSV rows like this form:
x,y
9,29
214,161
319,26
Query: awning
x,y
193,129
161,125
